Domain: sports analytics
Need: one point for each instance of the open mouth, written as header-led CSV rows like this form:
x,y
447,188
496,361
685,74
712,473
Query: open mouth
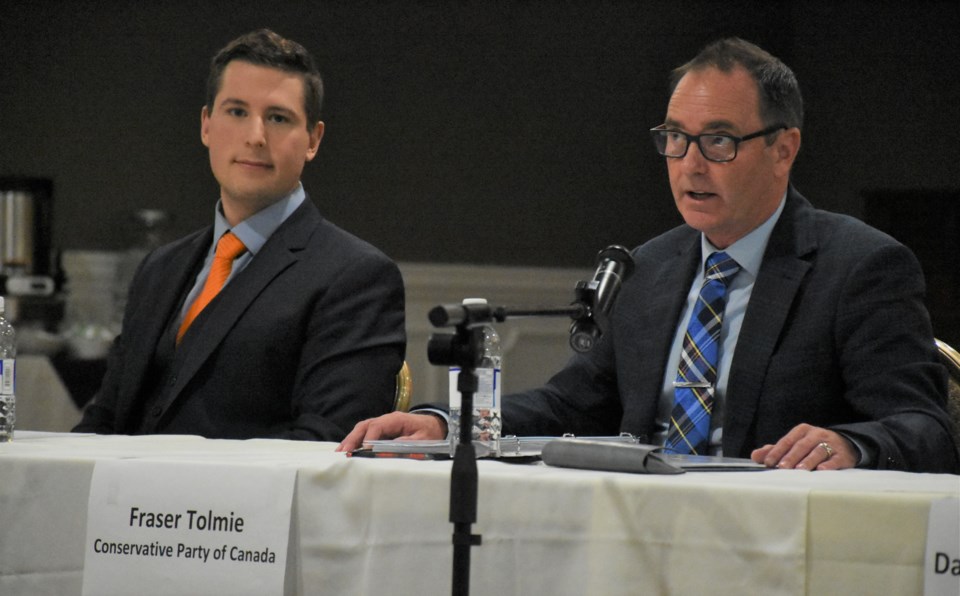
x,y
699,196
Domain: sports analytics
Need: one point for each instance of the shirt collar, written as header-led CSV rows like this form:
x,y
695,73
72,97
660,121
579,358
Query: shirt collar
x,y
747,251
256,229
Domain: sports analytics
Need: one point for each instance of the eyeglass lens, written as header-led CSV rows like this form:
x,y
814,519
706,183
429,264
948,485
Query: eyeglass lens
x,y
714,147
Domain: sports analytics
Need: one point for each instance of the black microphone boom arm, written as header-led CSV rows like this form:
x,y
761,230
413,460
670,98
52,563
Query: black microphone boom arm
x,y
592,303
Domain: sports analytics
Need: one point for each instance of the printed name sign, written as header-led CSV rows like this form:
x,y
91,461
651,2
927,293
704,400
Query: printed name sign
x,y
187,528
942,565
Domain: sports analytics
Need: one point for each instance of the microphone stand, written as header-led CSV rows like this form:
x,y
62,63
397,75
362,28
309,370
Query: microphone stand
x,y
465,349
463,485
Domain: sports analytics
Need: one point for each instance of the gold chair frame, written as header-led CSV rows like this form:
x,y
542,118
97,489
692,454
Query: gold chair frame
x,y
950,358
401,399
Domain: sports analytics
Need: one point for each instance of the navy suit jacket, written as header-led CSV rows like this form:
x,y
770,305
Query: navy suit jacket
x,y
303,343
836,335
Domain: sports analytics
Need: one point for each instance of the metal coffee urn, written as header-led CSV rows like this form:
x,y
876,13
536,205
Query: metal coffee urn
x,y
28,275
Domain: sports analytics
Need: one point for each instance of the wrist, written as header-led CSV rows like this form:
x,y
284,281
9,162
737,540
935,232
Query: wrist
x,y
440,429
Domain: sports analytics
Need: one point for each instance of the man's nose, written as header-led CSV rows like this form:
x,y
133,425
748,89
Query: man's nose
x,y
694,160
255,133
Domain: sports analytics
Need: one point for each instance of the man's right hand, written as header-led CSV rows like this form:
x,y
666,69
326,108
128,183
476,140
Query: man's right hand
x,y
395,425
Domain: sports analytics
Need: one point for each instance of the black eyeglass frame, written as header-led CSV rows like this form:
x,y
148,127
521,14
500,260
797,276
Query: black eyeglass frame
x,y
656,131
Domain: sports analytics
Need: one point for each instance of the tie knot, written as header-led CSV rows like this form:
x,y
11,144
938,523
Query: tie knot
x,y
720,266
229,247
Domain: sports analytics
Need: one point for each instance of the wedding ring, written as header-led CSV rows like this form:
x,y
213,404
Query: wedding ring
x,y
826,447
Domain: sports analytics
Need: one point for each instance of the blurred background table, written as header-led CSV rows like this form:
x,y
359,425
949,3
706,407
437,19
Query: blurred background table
x,y
43,401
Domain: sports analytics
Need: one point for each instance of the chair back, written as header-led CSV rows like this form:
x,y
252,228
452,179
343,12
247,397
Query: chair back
x,y
401,399
950,358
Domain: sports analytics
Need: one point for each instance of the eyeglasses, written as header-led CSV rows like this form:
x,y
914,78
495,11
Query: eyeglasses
x,y
719,148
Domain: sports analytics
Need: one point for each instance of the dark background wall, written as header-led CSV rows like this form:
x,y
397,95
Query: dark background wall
x,y
525,121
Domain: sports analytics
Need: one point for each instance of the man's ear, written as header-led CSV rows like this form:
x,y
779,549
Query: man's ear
x,y
316,135
204,125
786,148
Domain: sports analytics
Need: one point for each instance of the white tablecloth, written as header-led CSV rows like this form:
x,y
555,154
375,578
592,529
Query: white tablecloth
x,y
364,526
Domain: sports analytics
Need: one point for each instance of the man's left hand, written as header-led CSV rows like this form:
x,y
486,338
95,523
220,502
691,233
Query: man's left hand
x,y
808,447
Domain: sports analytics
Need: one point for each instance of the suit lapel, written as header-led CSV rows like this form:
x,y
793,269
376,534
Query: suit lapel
x,y
165,289
786,262
280,252
652,322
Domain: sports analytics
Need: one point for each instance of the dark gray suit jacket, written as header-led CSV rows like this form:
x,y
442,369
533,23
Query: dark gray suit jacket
x,y
303,343
836,335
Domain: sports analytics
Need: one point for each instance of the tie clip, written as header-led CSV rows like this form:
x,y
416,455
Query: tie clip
x,y
691,384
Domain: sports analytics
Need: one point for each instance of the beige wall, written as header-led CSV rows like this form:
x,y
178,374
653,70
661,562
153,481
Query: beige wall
x,y
534,348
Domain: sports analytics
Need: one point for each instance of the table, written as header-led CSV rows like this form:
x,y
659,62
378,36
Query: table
x,y
379,526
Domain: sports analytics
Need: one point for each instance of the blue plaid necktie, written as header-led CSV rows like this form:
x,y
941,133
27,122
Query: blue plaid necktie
x,y
697,374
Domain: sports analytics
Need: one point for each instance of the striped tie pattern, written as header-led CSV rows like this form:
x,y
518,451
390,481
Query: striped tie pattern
x,y
229,247
697,374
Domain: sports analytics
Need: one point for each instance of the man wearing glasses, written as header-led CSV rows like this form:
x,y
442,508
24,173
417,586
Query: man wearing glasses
x,y
761,328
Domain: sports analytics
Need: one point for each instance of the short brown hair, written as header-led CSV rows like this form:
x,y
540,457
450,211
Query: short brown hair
x,y
780,99
266,48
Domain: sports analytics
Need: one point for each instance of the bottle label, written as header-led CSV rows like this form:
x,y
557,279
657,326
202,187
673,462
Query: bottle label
x,y
6,376
454,394
488,388
486,410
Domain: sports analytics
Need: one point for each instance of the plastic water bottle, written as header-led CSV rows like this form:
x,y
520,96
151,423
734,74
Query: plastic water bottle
x,y
487,421
8,355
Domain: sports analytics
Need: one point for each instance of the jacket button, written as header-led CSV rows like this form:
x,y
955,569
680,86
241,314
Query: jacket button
x,y
156,411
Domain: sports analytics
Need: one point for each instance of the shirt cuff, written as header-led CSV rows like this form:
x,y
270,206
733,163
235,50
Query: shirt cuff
x,y
864,457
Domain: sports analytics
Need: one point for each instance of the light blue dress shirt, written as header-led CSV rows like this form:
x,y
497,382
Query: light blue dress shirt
x,y
253,232
748,253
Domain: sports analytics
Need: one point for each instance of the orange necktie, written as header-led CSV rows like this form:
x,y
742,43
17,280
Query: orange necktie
x,y
229,247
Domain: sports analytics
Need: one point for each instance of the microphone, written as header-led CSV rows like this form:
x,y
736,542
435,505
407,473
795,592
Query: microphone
x,y
598,296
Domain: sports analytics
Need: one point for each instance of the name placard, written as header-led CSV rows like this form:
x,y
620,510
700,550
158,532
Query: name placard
x,y
942,561
187,528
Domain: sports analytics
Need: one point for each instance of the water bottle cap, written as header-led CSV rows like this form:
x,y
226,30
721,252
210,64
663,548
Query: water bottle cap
x,y
469,301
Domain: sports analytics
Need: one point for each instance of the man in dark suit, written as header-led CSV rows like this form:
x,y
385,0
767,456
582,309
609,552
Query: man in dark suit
x,y
826,353
307,333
